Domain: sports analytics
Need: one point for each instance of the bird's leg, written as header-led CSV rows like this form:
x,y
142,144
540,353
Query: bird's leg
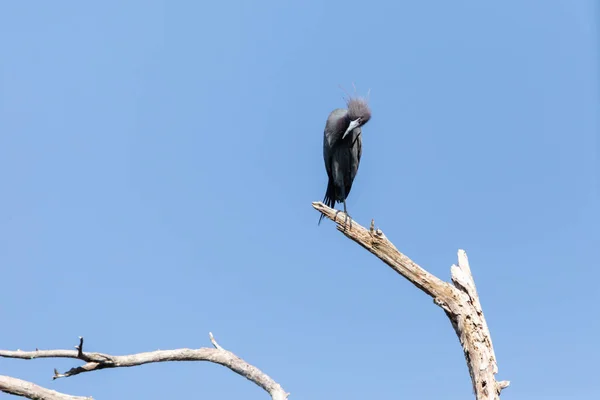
x,y
347,217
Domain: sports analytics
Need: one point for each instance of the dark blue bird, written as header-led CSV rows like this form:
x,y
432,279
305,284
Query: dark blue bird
x,y
342,149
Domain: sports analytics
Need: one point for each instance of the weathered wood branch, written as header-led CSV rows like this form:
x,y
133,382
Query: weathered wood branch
x,y
460,300
30,390
98,361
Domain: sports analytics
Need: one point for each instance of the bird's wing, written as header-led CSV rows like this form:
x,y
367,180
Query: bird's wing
x,y
327,154
331,135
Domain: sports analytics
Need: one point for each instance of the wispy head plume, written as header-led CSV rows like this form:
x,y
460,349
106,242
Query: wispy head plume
x,y
358,107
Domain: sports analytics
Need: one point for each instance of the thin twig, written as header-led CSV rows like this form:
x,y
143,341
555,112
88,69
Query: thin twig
x,y
214,341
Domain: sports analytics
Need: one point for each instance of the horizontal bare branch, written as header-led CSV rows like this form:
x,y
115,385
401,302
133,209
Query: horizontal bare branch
x,y
98,361
30,390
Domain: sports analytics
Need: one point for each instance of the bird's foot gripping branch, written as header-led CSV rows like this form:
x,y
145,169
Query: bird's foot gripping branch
x,y
347,218
459,300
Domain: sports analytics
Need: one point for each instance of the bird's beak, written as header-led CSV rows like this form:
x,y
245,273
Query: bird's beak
x,y
353,124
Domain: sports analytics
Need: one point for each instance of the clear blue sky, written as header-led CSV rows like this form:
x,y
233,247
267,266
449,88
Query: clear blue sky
x,y
158,161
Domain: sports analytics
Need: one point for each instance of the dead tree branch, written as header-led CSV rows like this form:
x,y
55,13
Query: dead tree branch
x,y
98,361
30,390
460,300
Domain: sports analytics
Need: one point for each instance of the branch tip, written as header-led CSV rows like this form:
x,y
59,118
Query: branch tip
x,y
214,342
79,348
463,261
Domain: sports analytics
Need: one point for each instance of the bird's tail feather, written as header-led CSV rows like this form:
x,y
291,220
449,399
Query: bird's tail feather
x,y
329,198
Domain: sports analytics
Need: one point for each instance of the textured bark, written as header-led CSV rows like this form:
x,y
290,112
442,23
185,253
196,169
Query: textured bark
x,y
98,361
30,390
460,300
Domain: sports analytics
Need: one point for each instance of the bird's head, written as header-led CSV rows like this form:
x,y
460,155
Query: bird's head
x,y
359,113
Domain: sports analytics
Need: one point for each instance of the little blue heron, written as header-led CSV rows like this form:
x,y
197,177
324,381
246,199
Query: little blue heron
x,y
342,148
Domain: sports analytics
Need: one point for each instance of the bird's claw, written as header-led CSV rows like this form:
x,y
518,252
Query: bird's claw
x,y
336,214
346,218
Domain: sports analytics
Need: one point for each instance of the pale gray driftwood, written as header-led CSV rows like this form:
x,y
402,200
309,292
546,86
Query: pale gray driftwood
x,y
459,300
30,390
98,361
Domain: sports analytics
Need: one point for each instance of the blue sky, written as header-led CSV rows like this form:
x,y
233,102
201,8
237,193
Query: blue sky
x,y
158,162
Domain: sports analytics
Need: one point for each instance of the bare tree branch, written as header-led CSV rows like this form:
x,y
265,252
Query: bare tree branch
x,y
98,361
30,390
460,301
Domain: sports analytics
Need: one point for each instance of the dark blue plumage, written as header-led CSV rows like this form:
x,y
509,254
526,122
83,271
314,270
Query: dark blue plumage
x,y
342,149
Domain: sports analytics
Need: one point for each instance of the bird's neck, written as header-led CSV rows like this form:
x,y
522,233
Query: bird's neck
x,y
343,125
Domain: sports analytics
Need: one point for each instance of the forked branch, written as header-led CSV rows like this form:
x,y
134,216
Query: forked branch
x,y
459,300
98,361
